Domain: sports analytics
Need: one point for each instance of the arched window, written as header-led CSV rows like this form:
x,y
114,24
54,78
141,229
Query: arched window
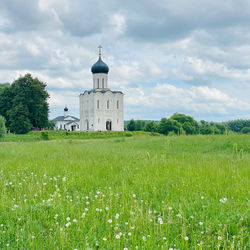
x,y
98,104
102,83
117,104
98,84
107,104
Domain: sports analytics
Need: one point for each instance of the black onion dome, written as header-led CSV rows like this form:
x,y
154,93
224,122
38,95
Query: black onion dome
x,y
100,67
66,109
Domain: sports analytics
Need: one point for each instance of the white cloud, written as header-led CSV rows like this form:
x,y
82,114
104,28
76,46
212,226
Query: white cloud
x,y
118,23
204,58
198,101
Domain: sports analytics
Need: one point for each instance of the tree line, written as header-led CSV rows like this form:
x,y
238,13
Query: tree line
x,y
183,124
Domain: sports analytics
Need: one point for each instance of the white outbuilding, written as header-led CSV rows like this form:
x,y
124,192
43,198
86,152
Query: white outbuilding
x,y
67,122
101,109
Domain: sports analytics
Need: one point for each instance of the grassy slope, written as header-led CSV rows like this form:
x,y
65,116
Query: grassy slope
x,y
139,178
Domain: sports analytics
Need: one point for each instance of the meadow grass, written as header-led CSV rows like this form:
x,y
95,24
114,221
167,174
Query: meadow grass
x,y
62,134
139,192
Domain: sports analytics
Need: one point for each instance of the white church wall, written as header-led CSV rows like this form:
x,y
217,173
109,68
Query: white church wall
x,y
100,104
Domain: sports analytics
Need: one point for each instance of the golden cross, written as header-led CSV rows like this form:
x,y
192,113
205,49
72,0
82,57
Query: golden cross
x,y
100,50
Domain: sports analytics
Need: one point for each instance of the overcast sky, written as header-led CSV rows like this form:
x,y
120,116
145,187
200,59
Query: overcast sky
x,y
186,56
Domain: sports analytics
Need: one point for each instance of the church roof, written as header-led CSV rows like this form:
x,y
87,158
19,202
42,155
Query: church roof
x,y
71,122
103,91
100,67
63,118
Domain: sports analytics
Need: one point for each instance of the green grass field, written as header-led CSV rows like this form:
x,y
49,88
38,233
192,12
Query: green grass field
x,y
130,192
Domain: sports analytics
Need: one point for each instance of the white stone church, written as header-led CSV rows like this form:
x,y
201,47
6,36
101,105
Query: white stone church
x,y
101,109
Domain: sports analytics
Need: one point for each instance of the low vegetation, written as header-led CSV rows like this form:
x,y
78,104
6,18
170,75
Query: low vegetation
x,y
184,124
130,192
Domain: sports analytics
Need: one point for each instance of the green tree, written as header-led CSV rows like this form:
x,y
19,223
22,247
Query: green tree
x,y
139,125
26,96
245,130
167,125
237,125
188,128
221,128
3,86
191,126
19,119
151,126
2,127
131,125
51,125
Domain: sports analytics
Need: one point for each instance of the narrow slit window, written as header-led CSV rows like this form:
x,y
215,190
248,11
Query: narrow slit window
x,y
98,104
117,104
108,104
98,84
103,83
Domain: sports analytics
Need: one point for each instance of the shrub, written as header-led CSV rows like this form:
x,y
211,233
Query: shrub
x,y
245,130
45,135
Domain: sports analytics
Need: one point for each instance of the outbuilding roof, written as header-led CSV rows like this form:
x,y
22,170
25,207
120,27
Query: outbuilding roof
x,y
64,118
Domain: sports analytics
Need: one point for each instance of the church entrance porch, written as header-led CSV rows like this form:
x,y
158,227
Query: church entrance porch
x,y
108,125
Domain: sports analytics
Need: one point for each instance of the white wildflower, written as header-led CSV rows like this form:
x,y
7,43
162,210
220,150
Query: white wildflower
x,y
68,224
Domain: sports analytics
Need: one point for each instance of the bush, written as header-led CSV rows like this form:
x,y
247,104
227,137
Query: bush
x,y
245,130
151,126
45,135
172,133
2,127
